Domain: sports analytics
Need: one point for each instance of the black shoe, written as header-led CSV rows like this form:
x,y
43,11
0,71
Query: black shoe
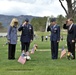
x,y
11,58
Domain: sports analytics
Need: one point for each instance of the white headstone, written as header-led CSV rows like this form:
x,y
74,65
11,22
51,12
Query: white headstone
x,y
47,23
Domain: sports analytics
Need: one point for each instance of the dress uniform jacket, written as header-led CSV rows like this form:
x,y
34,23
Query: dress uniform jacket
x,y
55,36
55,32
27,33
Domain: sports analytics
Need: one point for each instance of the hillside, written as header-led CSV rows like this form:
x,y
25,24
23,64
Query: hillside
x,y
6,19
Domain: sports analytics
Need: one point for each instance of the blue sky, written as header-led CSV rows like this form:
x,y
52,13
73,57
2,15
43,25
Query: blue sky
x,y
31,7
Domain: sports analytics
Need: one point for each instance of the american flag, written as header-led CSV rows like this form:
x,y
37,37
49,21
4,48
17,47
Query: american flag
x,y
63,53
34,48
22,60
32,51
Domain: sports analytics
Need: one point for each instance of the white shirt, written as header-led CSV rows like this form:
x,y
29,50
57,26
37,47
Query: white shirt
x,y
54,25
70,26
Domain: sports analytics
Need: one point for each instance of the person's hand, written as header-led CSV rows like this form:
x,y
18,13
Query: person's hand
x,y
31,40
57,41
73,41
8,41
23,23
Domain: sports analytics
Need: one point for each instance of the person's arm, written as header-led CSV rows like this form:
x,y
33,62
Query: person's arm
x,y
65,26
58,39
8,34
32,33
20,28
74,33
48,28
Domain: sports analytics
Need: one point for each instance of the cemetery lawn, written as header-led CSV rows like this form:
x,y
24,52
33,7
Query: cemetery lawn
x,y
40,63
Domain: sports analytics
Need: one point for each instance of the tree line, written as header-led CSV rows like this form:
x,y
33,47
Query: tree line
x,y
39,24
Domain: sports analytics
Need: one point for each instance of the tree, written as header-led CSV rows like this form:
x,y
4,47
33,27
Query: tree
x,y
39,23
60,20
71,8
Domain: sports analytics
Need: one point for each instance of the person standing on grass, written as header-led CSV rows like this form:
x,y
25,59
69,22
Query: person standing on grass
x,y
54,38
71,36
42,38
46,37
26,36
12,38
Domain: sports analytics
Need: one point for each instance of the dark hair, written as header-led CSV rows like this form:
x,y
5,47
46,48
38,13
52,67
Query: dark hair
x,y
27,20
71,19
66,22
53,19
16,23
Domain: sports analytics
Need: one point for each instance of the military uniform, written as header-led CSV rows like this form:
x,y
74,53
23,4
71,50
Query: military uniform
x,y
26,36
55,36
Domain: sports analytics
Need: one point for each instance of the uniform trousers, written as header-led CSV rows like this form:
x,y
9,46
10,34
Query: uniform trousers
x,y
11,51
71,48
54,49
25,46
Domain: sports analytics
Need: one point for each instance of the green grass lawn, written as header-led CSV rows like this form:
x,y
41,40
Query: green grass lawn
x,y
40,63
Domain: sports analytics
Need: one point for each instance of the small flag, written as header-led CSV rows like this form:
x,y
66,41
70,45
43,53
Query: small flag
x,y
34,48
22,59
32,51
63,53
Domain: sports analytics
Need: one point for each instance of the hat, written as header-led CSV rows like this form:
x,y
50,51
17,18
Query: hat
x,y
53,19
27,20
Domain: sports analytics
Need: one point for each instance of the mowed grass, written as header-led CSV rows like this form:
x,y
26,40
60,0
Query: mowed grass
x,y
40,63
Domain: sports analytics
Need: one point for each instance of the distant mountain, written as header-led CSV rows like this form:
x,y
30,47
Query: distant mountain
x,y
6,19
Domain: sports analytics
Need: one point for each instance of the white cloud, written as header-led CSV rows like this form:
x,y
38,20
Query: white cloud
x,y
31,7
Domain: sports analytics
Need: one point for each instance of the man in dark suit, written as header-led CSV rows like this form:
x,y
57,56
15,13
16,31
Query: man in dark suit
x,y
26,36
71,29
55,37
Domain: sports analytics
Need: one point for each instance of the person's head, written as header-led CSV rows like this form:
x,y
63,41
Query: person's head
x,y
69,21
26,21
53,21
14,22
